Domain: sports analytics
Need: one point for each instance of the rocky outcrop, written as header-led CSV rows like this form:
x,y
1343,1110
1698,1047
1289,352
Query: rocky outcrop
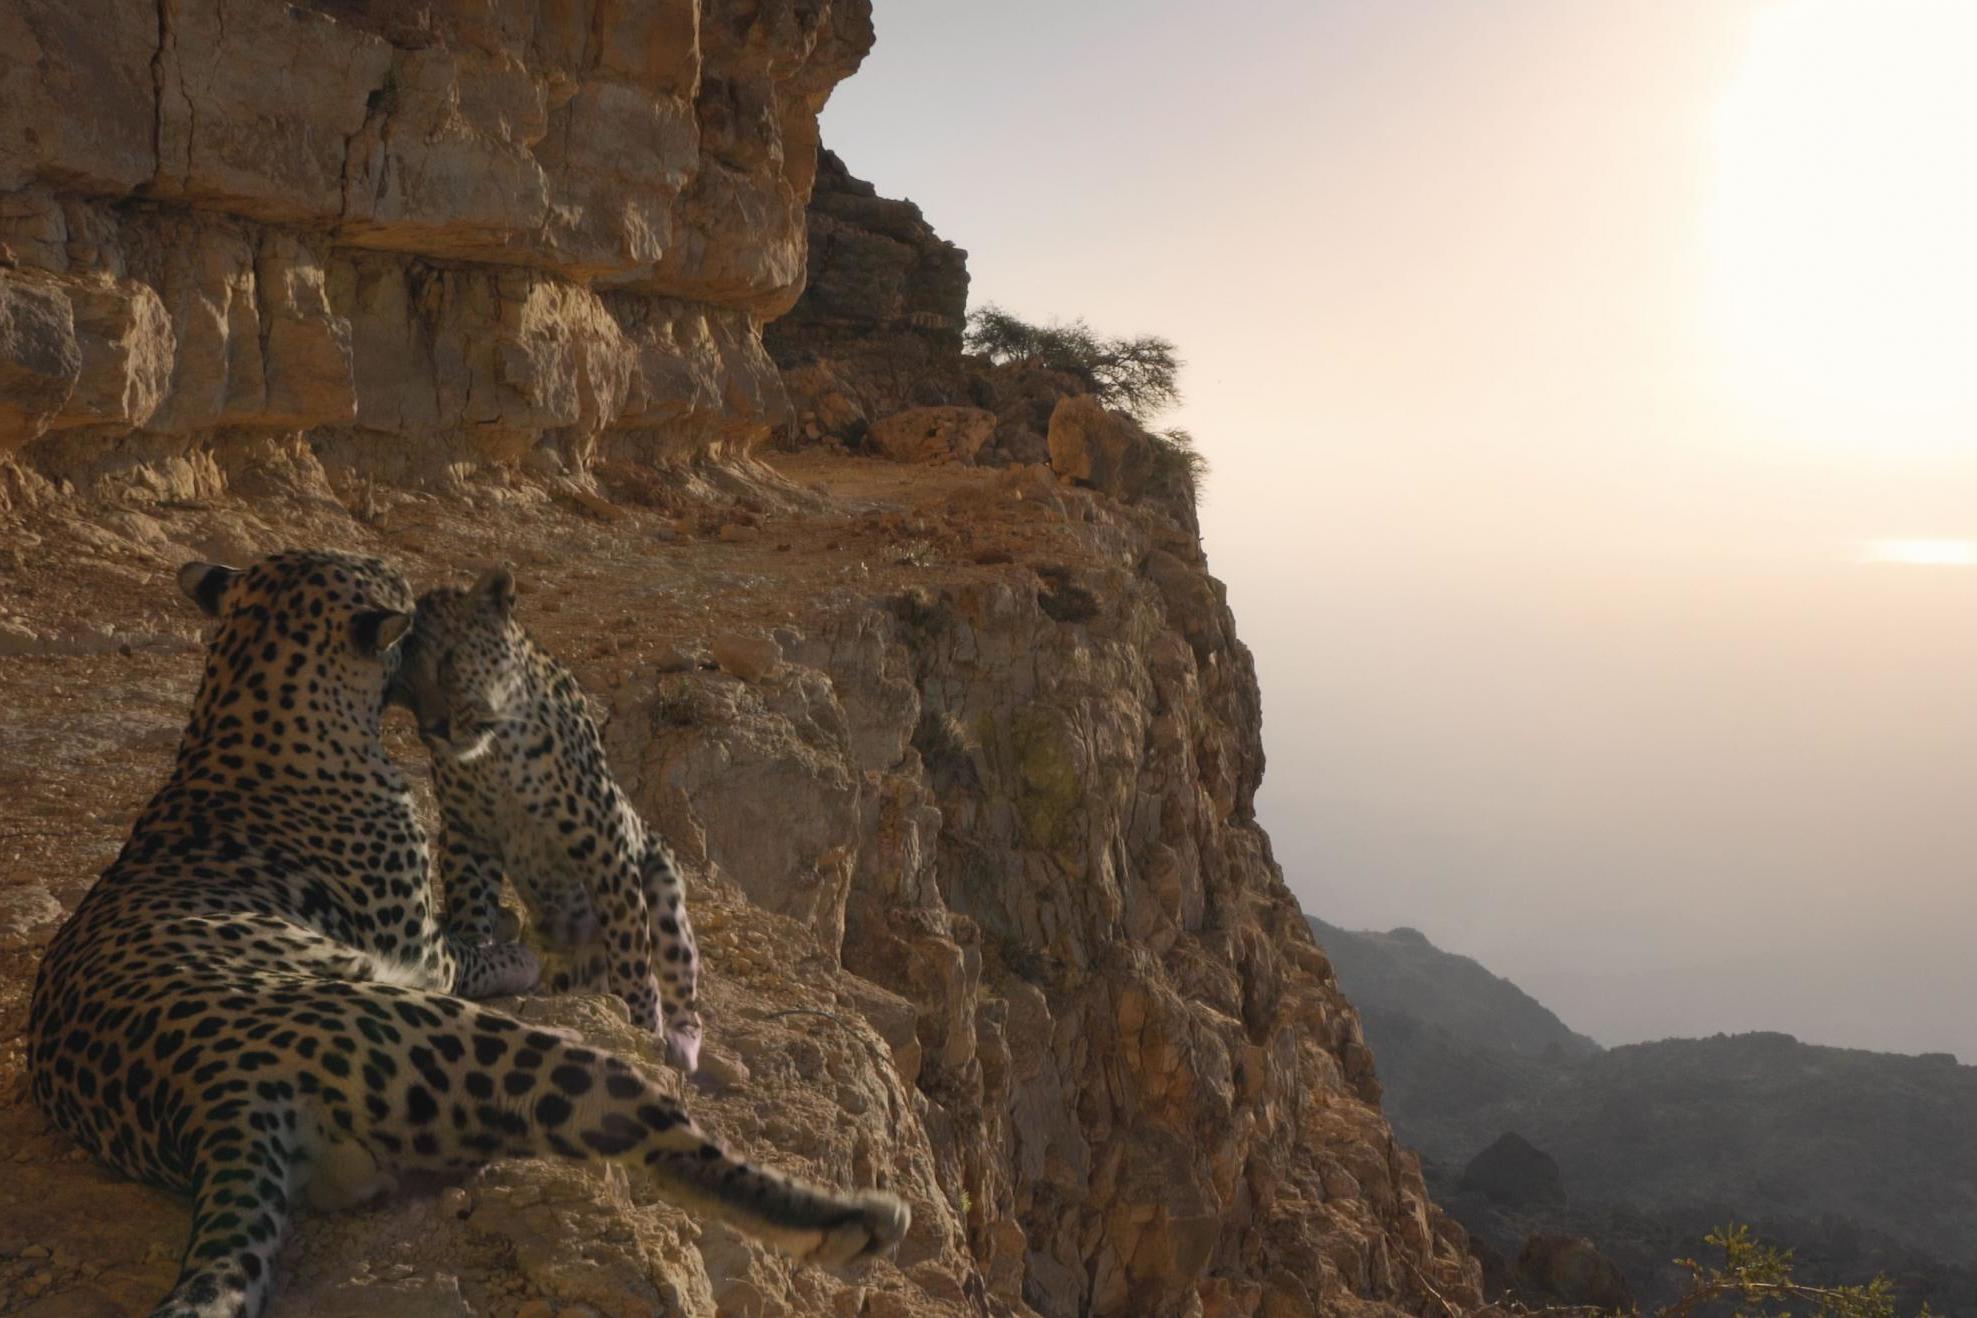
x,y
1104,449
878,334
425,233
961,755
934,434
987,914
878,329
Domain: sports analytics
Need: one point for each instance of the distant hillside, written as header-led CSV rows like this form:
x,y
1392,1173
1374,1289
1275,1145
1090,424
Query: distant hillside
x,y
1400,971
1450,1039
1762,1123
1863,1161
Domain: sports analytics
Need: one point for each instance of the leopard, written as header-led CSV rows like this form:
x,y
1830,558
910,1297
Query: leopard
x,y
524,788
255,1005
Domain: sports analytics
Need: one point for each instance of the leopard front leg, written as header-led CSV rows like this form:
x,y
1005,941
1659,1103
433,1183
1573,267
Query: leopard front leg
x,y
675,953
626,935
470,884
559,907
483,964
492,970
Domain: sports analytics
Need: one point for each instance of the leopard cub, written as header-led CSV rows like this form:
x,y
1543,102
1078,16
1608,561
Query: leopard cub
x,y
524,789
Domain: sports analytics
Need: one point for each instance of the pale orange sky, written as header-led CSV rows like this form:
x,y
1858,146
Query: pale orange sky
x,y
1557,362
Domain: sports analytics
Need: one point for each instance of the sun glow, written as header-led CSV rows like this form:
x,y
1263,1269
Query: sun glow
x,y
1924,553
1843,223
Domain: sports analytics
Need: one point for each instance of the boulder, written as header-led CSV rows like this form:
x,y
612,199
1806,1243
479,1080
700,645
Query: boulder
x,y
39,359
933,434
1570,1270
1100,448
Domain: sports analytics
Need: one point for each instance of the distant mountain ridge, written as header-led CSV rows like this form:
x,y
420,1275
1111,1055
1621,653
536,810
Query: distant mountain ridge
x,y
1401,971
1864,1162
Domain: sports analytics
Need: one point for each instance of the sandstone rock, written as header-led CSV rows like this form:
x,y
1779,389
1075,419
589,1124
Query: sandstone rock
x,y
39,359
822,404
256,106
878,329
934,434
25,910
256,341
875,265
612,193
749,656
1101,448
127,349
77,99
444,166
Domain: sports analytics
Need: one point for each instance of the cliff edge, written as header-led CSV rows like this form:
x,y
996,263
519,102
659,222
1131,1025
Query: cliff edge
x,y
960,752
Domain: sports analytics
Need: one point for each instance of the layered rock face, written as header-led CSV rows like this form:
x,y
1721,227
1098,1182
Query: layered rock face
x,y
878,329
960,758
871,354
425,232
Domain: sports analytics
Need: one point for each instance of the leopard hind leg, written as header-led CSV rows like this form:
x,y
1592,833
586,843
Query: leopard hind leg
x,y
247,1168
482,1085
345,1174
675,955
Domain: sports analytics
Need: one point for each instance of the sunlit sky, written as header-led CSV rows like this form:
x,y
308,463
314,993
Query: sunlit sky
x,y
1591,391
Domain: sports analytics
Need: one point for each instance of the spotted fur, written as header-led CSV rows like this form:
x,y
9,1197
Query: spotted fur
x,y
524,789
249,1004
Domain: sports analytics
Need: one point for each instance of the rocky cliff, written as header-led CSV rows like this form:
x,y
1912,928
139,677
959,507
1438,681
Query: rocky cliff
x,y
961,757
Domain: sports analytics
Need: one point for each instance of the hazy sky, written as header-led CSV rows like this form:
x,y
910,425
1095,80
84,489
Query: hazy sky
x,y
1561,365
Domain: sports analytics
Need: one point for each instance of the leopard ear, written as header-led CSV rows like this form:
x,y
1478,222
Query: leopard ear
x,y
205,584
375,631
497,587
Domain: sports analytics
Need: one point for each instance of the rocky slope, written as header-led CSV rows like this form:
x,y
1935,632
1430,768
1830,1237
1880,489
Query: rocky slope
x,y
961,758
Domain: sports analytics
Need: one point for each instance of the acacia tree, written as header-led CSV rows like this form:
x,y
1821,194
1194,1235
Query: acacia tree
x,y
1135,375
1138,376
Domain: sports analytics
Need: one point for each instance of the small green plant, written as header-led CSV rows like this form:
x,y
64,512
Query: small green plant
x,y
1138,376
1758,1279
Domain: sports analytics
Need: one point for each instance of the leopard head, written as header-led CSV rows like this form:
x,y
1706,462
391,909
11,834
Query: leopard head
x,y
464,673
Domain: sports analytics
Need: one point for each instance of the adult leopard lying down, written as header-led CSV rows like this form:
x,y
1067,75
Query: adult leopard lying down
x,y
255,1001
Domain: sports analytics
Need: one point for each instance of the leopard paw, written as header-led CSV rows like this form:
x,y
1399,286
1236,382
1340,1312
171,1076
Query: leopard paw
x,y
681,1040
879,1221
